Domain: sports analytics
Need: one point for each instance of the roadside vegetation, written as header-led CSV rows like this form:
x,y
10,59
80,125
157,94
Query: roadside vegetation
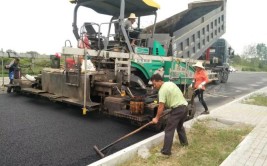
x,y
209,144
254,58
27,65
252,64
258,99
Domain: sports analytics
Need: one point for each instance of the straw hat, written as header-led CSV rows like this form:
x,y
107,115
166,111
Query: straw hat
x,y
132,15
198,64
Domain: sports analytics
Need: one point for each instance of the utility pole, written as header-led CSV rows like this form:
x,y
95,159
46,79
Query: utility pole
x,y
33,56
3,79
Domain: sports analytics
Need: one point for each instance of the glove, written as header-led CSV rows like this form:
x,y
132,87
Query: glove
x,y
191,85
200,86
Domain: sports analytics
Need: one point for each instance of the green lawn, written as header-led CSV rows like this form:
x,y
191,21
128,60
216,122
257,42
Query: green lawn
x,y
207,146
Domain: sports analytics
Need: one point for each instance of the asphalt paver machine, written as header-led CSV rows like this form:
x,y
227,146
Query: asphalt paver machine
x,y
106,73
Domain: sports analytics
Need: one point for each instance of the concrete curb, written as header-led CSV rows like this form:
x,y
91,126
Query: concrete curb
x,y
124,155
128,153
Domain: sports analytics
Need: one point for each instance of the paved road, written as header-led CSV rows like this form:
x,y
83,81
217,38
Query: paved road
x,y
239,84
36,132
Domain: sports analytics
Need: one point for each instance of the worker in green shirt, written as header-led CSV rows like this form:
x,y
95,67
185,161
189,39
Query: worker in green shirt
x,y
170,96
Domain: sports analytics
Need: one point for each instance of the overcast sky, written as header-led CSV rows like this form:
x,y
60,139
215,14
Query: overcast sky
x,y
43,26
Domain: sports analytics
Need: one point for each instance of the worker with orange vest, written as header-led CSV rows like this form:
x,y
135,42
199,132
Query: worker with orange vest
x,y
200,80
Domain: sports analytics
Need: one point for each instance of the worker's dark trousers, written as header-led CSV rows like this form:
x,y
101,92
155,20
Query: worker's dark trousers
x,y
199,94
175,121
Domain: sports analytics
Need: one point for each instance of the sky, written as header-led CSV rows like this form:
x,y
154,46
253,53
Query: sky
x,y
44,26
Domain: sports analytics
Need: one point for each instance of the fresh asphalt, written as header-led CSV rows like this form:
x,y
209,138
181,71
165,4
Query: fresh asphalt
x,y
39,132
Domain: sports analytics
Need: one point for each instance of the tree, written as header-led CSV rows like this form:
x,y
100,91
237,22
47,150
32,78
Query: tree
x,y
237,59
11,53
262,51
250,51
34,55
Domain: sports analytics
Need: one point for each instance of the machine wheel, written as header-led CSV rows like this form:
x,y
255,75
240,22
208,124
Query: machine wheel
x,y
17,89
9,90
216,82
191,110
225,76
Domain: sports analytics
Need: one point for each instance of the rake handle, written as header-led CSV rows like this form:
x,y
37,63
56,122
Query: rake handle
x,y
127,135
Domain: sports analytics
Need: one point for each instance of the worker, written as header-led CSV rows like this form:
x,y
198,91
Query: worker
x,y
84,41
170,96
200,80
160,71
13,66
133,34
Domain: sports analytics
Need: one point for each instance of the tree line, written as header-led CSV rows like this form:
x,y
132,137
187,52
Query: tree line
x,y
254,58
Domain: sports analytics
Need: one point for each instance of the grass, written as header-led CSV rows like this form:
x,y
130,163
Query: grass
x,y
207,146
258,99
26,64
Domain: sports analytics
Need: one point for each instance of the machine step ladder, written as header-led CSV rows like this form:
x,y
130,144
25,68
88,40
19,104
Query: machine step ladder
x,y
72,75
124,66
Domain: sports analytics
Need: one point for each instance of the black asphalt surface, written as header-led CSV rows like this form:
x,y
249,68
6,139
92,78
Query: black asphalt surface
x,y
39,132
238,85
34,131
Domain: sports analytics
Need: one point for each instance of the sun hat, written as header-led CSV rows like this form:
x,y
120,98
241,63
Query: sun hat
x,y
198,64
132,15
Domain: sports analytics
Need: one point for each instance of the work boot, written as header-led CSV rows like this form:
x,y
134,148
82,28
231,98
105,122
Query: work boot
x,y
165,153
205,112
161,155
184,144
